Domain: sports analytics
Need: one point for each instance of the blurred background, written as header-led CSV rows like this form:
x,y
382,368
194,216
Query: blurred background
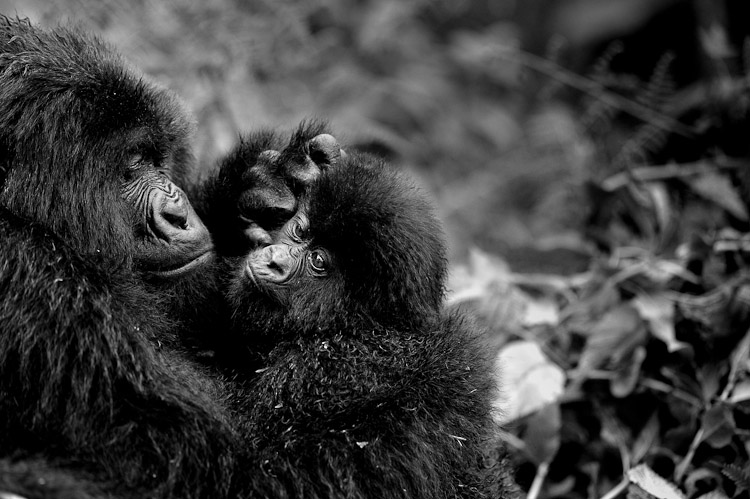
x,y
590,161
450,88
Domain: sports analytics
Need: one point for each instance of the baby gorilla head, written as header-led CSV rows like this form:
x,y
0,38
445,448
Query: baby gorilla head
x,y
364,247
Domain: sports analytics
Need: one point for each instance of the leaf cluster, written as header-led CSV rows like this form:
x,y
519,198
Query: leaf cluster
x,y
633,376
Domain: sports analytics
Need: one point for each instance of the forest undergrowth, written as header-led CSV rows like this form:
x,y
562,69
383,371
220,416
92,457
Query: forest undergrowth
x,y
632,375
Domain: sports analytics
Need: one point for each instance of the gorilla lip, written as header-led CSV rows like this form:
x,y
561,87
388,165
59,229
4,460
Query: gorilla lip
x,y
248,271
193,264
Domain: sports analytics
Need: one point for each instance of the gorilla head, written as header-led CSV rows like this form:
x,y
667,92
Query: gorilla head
x,y
88,150
88,210
364,247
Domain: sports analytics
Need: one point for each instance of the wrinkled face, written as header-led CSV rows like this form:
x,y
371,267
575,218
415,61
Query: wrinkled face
x,y
292,264
86,150
172,240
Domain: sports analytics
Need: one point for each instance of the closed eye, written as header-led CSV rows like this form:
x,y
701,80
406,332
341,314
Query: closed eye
x,y
299,231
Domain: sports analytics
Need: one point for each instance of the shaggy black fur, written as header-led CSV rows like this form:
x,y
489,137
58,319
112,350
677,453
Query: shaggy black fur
x,y
367,390
97,398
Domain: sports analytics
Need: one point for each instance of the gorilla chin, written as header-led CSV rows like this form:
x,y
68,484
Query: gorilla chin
x,y
182,269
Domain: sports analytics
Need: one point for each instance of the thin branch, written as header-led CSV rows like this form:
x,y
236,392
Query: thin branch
x,y
673,170
617,490
597,91
536,486
683,466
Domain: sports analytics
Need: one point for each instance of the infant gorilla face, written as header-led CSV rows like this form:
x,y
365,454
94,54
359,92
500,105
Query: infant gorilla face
x,y
364,247
292,263
286,288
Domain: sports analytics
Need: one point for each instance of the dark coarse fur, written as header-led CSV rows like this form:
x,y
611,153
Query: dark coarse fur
x,y
369,390
94,399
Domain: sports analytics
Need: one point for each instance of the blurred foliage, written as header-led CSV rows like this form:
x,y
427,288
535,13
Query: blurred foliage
x,y
590,159
652,336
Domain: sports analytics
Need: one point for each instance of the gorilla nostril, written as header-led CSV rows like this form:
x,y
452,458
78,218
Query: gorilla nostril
x,y
274,265
174,211
170,219
178,220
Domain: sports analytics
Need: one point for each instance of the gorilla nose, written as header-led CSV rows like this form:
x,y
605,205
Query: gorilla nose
x,y
170,216
177,241
175,222
277,258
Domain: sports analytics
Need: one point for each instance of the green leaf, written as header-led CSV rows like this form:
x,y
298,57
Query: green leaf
x,y
658,311
542,435
627,375
741,392
530,381
612,339
718,426
718,189
655,485
646,439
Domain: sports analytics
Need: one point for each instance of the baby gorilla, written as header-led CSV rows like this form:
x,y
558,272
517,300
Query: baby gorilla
x,y
367,390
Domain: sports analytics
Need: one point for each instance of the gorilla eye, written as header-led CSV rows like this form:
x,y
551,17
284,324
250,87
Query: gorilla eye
x,y
133,167
318,261
135,162
164,172
299,232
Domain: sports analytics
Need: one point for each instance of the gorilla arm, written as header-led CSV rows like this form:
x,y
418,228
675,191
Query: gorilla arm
x,y
80,379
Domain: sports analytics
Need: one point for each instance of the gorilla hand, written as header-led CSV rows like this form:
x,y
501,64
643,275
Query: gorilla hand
x,y
279,179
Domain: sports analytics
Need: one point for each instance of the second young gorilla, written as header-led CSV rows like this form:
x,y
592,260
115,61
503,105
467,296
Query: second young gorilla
x,y
361,386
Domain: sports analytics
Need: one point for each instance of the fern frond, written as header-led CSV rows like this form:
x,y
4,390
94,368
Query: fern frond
x,y
603,64
648,138
739,476
660,85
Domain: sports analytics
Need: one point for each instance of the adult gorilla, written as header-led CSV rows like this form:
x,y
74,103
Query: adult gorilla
x,y
96,396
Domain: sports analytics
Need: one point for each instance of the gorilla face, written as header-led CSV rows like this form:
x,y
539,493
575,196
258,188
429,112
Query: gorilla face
x,y
88,150
171,239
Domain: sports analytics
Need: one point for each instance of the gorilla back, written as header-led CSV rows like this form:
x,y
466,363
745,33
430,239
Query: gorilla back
x,y
93,396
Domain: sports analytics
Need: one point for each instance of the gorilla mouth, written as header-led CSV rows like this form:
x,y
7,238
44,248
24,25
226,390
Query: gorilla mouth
x,y
182,268
248,271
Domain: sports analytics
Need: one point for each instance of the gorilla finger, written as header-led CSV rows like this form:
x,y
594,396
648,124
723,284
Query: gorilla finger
x,y
257,235
264,170
268,156
325,150
302,174
269,205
